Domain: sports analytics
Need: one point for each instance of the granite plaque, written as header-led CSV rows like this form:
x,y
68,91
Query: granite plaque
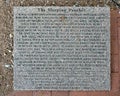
x,y
61,48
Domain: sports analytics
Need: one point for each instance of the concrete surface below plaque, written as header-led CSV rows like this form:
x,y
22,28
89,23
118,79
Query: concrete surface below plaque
x,y
61,48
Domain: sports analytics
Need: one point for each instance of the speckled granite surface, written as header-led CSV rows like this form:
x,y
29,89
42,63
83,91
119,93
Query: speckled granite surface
x,y
62,48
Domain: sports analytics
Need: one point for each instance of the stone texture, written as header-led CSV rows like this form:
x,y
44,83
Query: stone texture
x,y
115,14
61,48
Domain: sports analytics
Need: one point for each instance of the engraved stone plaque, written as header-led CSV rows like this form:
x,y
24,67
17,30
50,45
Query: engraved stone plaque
x,y
61,48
